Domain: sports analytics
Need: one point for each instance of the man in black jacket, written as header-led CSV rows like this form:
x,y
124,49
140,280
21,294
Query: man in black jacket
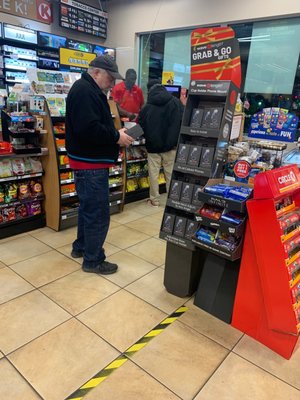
x,y
160,119
92,144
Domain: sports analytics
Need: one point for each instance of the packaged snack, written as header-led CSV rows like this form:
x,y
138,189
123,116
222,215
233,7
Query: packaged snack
x,y
233,217
18,166
5,168
206,235
36,188
24,190
230,242
211,212
1,217
36,165
2,194
8,214
11,192
34,208
21,211
217,190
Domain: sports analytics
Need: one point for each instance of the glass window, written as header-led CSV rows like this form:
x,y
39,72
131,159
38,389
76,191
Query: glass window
x,y
270,62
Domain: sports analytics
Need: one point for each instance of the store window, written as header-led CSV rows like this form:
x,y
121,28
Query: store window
x,y
270,62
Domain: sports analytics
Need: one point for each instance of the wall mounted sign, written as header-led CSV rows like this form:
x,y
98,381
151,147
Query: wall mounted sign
x,y
75,58
83,18
38,10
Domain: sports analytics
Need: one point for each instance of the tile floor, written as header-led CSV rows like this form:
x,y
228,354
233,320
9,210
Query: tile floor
x,y
59,326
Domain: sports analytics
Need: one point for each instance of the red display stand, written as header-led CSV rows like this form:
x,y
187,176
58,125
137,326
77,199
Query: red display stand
x,y
267,302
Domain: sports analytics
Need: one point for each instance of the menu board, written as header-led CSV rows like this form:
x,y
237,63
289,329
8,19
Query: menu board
x,y
83,18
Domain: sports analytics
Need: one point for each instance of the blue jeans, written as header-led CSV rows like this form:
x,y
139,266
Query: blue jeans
x,y
93,215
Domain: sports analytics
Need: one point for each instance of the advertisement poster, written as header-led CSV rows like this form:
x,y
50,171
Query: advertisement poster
x,y
274,124
168,77
38,10
215,55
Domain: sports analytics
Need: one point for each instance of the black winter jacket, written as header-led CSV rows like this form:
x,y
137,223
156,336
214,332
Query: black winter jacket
x,y
160,119
90,133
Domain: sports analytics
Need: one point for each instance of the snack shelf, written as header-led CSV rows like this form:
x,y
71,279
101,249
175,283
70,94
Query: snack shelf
x,y
222,225
113,185
68,195
219,250
21,177
136,160
65,181
19,202
116,173
15,155
18,221
141,175
179,241
290,235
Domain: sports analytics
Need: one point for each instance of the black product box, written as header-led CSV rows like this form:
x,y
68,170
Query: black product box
x,y
187,192
195,199
207,156
191,228
175,190
196,118
168,223
212,117
182,153
179,227
194,155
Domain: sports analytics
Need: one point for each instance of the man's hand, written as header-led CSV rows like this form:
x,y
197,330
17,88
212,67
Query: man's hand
x,y
124,140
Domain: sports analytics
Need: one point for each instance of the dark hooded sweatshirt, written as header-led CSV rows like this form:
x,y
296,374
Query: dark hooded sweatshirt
x,y
160,119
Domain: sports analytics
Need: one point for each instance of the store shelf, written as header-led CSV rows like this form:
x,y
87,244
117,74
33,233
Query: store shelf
x,y
205,172
66,181
21,177
179,205
205,133
225,227
136,160
22,225
182,242
68,195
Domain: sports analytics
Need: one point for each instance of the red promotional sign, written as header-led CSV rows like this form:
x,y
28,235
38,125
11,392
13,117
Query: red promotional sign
x,y
44,11
242,169
215,55
286,180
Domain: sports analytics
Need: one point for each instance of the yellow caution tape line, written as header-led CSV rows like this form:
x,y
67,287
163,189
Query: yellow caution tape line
x,y
119,361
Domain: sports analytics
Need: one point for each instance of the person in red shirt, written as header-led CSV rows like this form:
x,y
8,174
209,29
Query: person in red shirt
x,y
128,96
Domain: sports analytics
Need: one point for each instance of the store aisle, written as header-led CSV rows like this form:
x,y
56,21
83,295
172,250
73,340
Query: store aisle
x,y
59,326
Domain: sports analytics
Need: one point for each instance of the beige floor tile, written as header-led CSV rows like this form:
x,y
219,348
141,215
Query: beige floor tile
x,y
1,355
25,318
66,250
210,326
262,356
181,359
79,291
126,216
53,238
238,379
151,250
59,362
130,383
12,285
14,237
113,224
2,265
13,385
148,225
151,289
124,237
146,209
130,268
122,319
20,249
45,268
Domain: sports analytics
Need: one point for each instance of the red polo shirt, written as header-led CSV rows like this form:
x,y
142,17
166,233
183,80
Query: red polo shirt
x,y
130,100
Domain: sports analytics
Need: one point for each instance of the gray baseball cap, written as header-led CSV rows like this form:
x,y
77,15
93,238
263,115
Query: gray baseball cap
x,y
107,63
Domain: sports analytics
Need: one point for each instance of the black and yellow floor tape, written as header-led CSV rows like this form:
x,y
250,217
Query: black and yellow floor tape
x,y
119,361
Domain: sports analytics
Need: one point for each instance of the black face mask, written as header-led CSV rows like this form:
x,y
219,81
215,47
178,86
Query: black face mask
x,y
129,82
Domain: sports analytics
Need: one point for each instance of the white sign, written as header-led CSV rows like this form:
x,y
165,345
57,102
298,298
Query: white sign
x,y
20,34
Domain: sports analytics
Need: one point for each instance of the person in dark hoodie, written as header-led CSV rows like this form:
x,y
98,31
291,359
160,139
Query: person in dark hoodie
x,y
92,144
160,119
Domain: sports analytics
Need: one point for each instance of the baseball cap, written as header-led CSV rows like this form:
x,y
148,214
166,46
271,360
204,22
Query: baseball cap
x,y
108,64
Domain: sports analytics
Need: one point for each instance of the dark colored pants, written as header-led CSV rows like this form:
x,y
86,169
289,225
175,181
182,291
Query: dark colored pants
x,y
93,215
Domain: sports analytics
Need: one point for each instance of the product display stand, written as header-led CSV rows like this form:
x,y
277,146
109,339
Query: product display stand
x,y
201,153
267,305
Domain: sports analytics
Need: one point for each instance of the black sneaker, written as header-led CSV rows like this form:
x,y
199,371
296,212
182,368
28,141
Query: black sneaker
x,y
105,268
76,254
